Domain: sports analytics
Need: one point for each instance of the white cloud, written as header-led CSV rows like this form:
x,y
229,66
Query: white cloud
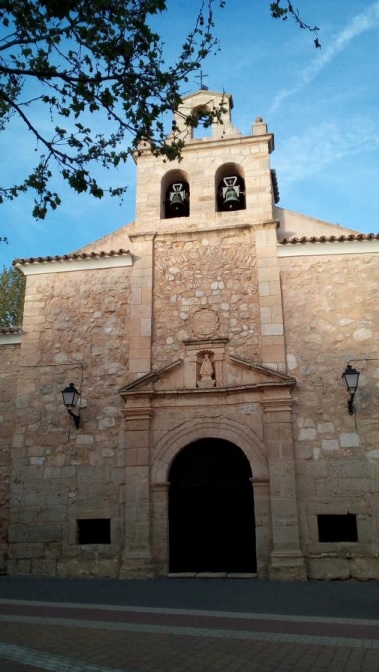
x,y
359,24
316,148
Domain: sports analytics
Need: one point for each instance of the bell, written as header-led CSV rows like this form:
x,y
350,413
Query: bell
x,y
177,197
231,197
230,193
176,201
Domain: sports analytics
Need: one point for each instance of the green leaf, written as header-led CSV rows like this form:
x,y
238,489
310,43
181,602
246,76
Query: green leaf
x,y
12,292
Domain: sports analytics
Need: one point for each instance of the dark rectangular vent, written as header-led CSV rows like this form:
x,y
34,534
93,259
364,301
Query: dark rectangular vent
x,y
94,531
333,528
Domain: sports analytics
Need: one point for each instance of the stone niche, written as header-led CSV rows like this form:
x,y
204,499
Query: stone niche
x,y
205,373
204,363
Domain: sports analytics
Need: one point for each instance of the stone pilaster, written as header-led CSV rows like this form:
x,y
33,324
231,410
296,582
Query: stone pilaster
x,y
287,560
263,536
270,296
141,304
137,561
160,542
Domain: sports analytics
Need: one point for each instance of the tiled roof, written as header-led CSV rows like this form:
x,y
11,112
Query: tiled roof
x,y
74,256
330,239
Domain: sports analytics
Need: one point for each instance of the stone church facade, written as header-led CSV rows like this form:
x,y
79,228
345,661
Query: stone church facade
x,y
207,341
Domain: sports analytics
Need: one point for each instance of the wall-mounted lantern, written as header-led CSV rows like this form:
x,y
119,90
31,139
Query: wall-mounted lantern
x,y
351,377
70,398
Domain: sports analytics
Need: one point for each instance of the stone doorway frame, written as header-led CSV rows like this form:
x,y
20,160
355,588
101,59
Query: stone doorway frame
x,y
162,415
165,452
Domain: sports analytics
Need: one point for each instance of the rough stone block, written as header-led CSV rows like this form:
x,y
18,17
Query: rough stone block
x,y
97,568
44,567
365,569
349,440
19,567
329,569
26,551
35,533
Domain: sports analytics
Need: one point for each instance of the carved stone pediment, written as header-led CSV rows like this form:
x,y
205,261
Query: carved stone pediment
x,y
242,371
182,377
148,383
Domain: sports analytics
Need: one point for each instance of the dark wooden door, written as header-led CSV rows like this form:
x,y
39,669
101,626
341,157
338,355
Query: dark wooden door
x,y
211,509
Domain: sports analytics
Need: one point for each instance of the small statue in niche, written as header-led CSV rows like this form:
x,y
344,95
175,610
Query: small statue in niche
x,y
206,373
206,370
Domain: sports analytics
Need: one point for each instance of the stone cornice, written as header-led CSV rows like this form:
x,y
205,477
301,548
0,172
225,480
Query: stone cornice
x,y
147,235
213,391
260,481
233,140
159,487
137,413
220,227
207,144
207,342
274,405
269,224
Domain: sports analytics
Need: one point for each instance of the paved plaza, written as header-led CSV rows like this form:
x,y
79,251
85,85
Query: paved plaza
x,y
199,625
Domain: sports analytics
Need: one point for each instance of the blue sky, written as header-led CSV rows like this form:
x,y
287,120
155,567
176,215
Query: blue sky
x,y
321,104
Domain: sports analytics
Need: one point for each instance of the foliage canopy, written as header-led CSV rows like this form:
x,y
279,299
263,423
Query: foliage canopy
x,y
278,11
80,58
12,291
97,68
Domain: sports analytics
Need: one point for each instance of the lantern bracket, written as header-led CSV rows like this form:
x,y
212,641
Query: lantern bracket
x,y
70,398
76,418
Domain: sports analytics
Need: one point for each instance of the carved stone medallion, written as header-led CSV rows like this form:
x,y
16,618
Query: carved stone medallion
x,y
204,323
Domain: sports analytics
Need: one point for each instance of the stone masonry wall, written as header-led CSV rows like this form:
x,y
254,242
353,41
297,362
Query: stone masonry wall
x,y
332,321
9,356
75,331
215,271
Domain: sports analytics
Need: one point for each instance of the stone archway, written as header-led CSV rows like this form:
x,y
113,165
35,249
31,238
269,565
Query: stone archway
x,y
211,509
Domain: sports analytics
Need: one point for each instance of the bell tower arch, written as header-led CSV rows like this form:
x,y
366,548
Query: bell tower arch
x,y
241,163
175,194
230,190
202,104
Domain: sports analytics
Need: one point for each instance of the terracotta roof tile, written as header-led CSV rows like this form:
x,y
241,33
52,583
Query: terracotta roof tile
x,y
329,239
71,257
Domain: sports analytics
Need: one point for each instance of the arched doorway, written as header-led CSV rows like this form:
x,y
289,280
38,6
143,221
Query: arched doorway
x,y
211,509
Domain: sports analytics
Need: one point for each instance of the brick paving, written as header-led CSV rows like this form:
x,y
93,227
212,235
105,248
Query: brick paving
x,y
95,650
46,632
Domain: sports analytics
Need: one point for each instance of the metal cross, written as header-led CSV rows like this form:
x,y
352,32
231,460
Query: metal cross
x,y
201,77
